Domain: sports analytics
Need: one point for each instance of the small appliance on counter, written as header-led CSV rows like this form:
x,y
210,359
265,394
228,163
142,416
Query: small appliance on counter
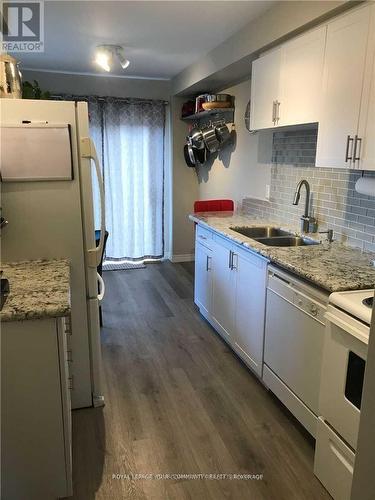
x,y
10,78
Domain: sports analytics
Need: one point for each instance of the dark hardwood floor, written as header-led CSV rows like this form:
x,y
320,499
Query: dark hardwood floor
x,y
178,401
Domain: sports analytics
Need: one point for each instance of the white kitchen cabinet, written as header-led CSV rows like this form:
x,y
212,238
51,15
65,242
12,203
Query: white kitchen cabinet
x,y
203,278
265,82
230,291
223,287
36,435
286,83
251,272
301,79
343,86
366,131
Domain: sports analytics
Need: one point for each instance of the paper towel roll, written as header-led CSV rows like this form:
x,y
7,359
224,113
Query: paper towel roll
x,y
366,185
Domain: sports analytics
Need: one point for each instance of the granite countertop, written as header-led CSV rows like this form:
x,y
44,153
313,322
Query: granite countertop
x,y
334,267
38,289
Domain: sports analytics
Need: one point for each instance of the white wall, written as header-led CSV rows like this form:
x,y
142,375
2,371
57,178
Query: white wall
x,y
185,188
279,22
242,171
234,174
99,85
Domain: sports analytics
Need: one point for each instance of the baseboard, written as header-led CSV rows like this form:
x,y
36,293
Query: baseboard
x,y
183,257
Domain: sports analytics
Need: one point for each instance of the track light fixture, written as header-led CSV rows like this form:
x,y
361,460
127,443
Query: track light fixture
x,y
105,54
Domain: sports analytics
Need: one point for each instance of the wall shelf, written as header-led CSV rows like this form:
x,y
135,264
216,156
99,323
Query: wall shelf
x,y
208,113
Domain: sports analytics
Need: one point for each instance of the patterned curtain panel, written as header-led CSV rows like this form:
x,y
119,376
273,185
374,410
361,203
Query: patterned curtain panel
x,y
129,139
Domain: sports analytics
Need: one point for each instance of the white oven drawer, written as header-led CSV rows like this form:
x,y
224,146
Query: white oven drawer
x,y
333,463
342,378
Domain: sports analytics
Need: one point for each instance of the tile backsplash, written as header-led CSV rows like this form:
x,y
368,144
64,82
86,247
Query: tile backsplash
x,y
296,147
334,201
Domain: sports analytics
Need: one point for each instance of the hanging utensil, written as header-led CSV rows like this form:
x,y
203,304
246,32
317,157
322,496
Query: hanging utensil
x,y
222,132
188,161
196,138
210,139
201,156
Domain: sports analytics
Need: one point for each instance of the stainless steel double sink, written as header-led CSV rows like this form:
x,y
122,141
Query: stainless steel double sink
x,y
274,236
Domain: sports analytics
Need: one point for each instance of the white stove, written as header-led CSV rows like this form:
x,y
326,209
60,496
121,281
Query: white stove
x,y
357,303
348,320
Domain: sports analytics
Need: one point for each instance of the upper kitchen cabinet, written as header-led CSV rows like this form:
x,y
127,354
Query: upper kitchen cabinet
x,y
301,79
346,93
286,83
366,132
265,82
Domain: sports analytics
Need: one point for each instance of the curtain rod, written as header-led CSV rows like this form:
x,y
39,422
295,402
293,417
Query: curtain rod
x,y
134,100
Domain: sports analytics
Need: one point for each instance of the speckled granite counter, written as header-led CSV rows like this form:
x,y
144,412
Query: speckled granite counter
x,y
333,267
38,289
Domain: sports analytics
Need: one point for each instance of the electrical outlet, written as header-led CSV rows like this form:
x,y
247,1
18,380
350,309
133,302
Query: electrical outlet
x,y
268,191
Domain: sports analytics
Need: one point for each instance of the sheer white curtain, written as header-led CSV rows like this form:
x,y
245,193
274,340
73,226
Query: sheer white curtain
x,y
129,137
133,163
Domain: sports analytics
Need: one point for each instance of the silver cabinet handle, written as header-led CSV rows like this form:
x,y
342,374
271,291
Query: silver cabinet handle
x,y
349,141
274,112
208,260
357,144
233,266
230,259
277,115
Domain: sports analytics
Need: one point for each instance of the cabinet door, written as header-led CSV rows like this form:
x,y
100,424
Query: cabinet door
x,y
342,88
203,279
32,414
265,81
66,386
302,79
366,132
251,274
223,288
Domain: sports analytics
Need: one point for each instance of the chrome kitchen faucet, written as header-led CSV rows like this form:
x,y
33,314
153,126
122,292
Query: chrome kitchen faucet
x,y
308,223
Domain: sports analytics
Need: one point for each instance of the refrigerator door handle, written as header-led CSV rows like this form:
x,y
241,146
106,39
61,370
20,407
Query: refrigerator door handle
x,y
101,288
88,151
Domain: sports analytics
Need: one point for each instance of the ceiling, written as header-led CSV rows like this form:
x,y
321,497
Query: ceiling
x,y
161,37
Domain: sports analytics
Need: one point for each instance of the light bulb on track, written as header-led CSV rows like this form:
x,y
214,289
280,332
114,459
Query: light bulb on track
x,y
104,56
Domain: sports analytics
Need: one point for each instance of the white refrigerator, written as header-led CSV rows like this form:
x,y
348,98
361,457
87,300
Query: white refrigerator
x,y
48,163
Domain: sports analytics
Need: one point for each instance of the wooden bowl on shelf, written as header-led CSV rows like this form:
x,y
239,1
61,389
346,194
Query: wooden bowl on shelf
x,y
214,105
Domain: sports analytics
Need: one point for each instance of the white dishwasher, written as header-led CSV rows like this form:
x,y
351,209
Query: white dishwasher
x,y
294,339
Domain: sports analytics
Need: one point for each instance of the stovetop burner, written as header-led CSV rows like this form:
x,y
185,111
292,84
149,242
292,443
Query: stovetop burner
x,y
369,302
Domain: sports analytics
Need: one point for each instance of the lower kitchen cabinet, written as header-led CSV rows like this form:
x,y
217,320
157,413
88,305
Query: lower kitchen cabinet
x,y
36,460
223,288
230,291
251,273
203,278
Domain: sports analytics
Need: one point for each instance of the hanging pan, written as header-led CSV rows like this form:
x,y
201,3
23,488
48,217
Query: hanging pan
x,y
189,156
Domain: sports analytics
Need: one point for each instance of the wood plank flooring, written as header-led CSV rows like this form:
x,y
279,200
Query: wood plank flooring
x,y
178,401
